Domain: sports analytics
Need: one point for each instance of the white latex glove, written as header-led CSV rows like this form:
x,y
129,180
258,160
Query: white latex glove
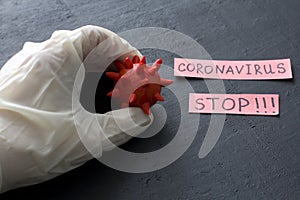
x,y
40,113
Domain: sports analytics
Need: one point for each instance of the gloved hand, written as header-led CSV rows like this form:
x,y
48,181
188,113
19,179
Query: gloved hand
x,y
40,112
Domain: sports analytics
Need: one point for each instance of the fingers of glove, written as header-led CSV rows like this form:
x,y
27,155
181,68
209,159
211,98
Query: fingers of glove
x,y
119,126
96,45
101,47
103,132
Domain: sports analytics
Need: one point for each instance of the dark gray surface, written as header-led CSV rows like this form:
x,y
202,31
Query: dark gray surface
x,y
255,158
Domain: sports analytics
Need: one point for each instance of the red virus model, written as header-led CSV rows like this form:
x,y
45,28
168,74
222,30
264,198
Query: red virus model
x,y
136,84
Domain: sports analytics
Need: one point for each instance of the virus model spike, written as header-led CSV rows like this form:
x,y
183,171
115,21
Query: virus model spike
x,y
158,97
113,75
146,108
132,98
109,94
136,84
128,63
155,66
135,59
165,82
158,62
114,92
119,65
143,60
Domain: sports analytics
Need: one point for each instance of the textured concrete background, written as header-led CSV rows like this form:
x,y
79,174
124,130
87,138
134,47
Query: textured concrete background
x,y
255,158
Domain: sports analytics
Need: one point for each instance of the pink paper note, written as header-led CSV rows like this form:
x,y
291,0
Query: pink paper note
x,y
247,104
225,69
